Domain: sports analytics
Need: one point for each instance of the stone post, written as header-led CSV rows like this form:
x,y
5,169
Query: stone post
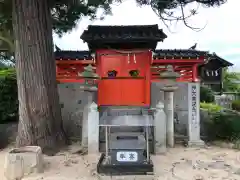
x,y
168,108
160,129
85,118
194,115
170,77
90,128
93,129
169,111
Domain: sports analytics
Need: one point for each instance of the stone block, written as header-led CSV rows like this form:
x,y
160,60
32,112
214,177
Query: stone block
x,y
160,129
198,143
93,129
23,161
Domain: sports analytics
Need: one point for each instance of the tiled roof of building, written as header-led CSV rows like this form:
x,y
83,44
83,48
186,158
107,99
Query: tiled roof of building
x,y
159,54
178,53
72,55
224,62
123,33
189,54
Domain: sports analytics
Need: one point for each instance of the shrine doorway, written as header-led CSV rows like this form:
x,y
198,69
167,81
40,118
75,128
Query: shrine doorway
x,y
125,80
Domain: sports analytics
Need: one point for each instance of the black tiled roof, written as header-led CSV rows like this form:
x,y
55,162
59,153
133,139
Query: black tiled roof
x,y
159,54
189,54
178,53
137,33
221,60
72,55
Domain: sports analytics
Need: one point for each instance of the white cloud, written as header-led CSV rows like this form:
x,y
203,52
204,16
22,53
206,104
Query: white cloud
x,y
231,52
221,34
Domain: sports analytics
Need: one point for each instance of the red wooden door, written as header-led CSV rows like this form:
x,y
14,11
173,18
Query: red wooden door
x,y
124,90
109,90
109,63
133,92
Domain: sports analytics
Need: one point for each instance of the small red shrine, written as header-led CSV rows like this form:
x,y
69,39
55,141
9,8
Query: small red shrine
x,y
126,60
129,73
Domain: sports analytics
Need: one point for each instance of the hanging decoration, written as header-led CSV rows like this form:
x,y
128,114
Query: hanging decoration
x,y
112,74
134,73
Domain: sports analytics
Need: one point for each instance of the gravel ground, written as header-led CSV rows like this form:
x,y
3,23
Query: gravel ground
x,y
177,164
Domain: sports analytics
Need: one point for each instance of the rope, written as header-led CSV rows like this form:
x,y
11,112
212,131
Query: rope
x,y
127,52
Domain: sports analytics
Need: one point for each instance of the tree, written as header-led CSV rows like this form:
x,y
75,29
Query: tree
x,y
31,22
6,46
2,65
230,81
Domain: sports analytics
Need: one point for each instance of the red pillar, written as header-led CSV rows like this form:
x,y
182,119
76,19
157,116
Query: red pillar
x,y
195,73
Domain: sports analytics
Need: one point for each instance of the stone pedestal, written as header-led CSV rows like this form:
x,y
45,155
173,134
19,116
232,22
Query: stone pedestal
x,y
85,119
194,115
23,161
93,129
160,129
169,111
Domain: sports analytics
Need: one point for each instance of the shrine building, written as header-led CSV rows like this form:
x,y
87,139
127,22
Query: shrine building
x,y
123,78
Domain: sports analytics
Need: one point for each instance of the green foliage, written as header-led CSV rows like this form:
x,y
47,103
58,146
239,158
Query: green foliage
x,y
8,95
212,108
65,13
2,65
7,72
206,94
226,125
221,125
236,105
229,81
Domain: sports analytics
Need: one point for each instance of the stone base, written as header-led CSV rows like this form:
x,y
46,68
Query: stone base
x,y
103,167
23,161
198,143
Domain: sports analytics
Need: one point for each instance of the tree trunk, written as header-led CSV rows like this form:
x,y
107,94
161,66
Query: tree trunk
x,y
40,121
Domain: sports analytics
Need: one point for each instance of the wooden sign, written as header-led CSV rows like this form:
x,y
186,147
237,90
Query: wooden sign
x,y
211,72
211,75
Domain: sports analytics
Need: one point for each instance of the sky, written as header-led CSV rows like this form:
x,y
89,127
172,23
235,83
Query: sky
x,y
220,35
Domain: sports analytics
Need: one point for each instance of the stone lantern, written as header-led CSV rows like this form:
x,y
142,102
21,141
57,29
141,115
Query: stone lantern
x,y
89,121
169,76
89,79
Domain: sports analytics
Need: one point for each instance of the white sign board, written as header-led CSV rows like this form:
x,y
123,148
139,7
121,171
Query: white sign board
x,y
124,156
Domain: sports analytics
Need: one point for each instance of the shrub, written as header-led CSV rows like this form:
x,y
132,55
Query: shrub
x,y
226,125
236,105
213,108
222,125
8,95
206,94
